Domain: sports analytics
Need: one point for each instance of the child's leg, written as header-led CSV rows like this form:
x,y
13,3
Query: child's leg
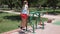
x,y
24,21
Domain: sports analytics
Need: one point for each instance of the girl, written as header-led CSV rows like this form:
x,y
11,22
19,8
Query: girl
x,y
24,15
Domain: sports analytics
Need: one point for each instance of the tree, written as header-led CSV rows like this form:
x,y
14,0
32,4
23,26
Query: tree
x,y
32,2
11,3
52,3
58,4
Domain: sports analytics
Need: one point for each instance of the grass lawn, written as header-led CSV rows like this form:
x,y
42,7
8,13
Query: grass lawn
x,y
57,23
10,21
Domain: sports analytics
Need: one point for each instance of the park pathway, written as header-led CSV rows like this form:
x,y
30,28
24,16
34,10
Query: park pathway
x,y
49,27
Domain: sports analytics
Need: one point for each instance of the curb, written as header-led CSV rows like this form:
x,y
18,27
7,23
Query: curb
x,y
9,32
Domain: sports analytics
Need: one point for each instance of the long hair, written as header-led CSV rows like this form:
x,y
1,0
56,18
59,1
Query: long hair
x,y
25,2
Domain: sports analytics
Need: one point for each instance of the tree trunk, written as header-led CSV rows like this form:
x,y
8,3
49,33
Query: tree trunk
x,y
10,6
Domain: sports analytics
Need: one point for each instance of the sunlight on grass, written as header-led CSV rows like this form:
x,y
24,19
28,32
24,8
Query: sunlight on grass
x,y
57,23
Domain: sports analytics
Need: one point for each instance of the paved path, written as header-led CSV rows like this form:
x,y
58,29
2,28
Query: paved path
x,y
11,11
49,27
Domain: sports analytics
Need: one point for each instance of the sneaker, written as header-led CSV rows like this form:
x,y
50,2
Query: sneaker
x,y
20,27
22,31
24,28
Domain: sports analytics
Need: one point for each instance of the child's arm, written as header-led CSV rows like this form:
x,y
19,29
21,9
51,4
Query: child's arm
x,y
28,12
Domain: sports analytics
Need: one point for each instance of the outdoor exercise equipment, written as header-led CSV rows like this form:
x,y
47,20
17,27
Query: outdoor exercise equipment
x,y
37,20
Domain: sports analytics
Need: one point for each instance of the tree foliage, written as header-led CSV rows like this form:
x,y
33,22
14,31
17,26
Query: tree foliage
x,y
19,3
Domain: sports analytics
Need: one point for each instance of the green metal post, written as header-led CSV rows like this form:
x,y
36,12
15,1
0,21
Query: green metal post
x,y
43,24
32,22
36,22
33,25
